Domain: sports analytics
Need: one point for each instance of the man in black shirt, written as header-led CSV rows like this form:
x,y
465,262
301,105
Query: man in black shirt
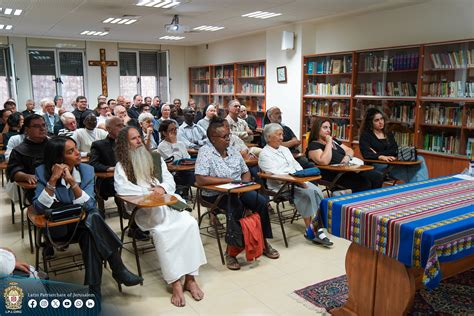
x,y
81,111
28,155
30,108
134,110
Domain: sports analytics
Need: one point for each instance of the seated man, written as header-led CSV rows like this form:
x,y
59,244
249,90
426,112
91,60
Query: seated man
x,y
81,110
49,116
237,125
175,234
28,155
189,133
69,123
85,136
249,118
277,159
219,163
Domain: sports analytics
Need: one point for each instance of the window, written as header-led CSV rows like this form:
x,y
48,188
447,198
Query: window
x,y
55,72
6,88
144,73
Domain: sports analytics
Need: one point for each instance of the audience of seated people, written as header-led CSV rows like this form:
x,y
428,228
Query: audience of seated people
x,y
376,142
218,163
175,234
323,149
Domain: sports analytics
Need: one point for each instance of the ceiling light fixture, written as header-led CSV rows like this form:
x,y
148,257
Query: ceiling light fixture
x,y
164,4
261,15
125,20
172,38
6,27
8,11
94,33
208,28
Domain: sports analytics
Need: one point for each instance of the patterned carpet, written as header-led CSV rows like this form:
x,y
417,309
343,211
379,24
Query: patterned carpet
x,y
454,296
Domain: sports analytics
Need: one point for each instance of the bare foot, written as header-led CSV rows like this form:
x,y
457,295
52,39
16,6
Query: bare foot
x,y
191,285
177,299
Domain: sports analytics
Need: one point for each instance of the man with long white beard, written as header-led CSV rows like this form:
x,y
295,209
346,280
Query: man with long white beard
x,y
175,234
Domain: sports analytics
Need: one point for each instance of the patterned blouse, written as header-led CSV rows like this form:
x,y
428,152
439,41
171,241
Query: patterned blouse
x,y
210,163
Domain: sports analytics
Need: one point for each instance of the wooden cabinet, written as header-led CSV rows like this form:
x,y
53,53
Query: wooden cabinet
x,y
243,81
426,91
199,85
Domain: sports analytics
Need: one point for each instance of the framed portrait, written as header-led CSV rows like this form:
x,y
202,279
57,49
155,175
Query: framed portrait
x,y
281,74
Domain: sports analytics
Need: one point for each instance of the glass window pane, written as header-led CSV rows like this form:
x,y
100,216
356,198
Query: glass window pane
x,y
42,68
4,91
128,74
128,86
148,85
163,81
72,77
148,63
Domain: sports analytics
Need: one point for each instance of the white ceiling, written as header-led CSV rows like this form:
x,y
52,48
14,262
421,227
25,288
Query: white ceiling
x,y
65,19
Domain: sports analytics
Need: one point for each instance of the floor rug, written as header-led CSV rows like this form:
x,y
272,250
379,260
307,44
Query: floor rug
x,y
454,296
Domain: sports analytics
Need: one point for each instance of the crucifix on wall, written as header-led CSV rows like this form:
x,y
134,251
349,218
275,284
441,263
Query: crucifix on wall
x,y
103,63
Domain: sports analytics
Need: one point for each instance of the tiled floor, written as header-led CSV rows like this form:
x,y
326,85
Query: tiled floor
x,y
259,288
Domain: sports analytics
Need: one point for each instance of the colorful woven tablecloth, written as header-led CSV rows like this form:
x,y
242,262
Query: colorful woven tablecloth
x,y
420,224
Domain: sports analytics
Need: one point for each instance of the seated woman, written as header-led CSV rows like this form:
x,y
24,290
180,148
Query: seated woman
x,y
171,147
324,150
218,163
64,180
149,134
210,112
377,143
277,159
15,125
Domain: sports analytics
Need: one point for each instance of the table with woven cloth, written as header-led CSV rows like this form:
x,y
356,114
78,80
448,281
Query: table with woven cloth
x,y
403,233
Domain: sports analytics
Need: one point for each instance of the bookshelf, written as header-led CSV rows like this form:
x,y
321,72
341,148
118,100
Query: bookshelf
x,y
199,85
245,81
426,91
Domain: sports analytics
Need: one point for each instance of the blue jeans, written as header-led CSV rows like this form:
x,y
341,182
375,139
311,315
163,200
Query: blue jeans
x,y
407,174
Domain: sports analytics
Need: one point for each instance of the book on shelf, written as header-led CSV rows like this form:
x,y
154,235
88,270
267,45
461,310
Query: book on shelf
x,y
394,89
340,130
404,138
470,117
252,88
328,89
401,61
470,147
448,144
402,113
336,66
224,73
451,60
449,89
330,65
253,71
438,114
327,108
200,74
201,87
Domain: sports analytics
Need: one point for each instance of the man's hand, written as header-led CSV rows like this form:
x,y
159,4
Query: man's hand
x,y
110,169
22,266
31,178
157,191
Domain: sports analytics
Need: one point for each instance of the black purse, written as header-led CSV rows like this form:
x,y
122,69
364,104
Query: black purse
x,y
63,213
407,153
234,235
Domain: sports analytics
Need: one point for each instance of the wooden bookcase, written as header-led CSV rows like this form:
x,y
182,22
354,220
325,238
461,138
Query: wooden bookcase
x,y
245,81
426,91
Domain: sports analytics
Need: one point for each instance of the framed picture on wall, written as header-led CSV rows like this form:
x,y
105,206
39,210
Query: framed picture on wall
x,y
281,74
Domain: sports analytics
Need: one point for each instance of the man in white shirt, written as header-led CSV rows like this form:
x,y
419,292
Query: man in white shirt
x,y
49,116
237,125
192,135
84,137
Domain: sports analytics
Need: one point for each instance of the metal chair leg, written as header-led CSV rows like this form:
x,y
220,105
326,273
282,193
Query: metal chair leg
x,y
282,226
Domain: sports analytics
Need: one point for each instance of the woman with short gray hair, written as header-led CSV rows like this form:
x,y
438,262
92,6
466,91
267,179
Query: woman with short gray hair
x,y
150,136
277,159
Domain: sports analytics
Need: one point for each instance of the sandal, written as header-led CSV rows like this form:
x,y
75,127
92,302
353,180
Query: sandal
x,y
232,263
270,252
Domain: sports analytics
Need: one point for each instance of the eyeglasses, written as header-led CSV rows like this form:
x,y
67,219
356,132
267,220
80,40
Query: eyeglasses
x,y
224,137
172,130
236,105
38,126
104,108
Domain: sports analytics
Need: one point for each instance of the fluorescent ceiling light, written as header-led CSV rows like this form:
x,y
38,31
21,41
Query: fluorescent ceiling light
x,y
164,4
2,26
208,28
261,15
94,33
119,21
17,12
8,27
172,38
8,11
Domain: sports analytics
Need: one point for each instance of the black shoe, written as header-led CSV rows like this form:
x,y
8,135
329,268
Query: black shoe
x,y
126,277
139,235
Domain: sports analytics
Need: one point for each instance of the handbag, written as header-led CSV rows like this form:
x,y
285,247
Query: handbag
x,y
307,172
234,235
63,213
407,153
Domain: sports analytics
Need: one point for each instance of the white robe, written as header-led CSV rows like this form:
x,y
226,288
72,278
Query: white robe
x,y
175,234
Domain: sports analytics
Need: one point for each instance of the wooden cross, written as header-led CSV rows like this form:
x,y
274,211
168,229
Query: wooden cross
x,y
103,63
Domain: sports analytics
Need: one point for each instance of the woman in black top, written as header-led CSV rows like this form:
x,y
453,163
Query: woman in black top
x,y
377,143
324,150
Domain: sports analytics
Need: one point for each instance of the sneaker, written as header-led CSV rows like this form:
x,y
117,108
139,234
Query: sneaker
x,y
138,234
322,239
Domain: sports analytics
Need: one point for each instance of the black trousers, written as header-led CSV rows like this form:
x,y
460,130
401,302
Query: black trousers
x,y
96,240
357,182
250,200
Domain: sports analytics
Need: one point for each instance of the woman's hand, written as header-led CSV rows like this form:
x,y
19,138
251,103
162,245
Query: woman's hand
x,y
346,160
387,158
57,172
328,139
157,191
68,176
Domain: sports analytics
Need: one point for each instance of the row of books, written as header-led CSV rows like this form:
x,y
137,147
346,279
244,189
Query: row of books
x,y
375,63
402,113
248,87
328,89
225,87
451,89
404,138
200,87
442,143
328,108
253,71
224,73
449,60
470,147
393,89
200,74
340,130
443,115
330,66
